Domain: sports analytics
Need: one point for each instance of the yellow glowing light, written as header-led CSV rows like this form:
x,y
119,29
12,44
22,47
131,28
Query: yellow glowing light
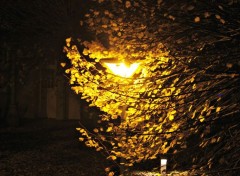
x,y
121,69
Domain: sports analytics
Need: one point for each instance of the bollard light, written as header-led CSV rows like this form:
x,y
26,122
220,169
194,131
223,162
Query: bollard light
x,y
163,167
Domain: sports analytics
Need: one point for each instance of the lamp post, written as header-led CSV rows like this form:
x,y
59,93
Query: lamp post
x,y
124,70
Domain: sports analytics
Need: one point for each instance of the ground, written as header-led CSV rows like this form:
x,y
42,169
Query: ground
x,y
47,147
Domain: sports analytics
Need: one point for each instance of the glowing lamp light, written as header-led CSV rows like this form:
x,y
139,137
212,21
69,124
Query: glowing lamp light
x,y
121,69
163,167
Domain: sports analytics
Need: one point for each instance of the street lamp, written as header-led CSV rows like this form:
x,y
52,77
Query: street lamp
x,y
121,68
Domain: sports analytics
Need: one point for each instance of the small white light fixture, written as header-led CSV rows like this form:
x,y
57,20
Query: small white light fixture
x,y
122,69
163,167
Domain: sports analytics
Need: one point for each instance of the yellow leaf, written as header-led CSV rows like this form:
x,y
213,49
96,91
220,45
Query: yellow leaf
x,y
114,116
190,108
197,19
222,21
109,129
67,71
184,146
173,112
213,140
81,23
81,139
98,149
218,109
128,4
171,17
105,52
103,138
165,150
68,40
96,13
218,17
106,12
107,169
111,174
140,35
229,65
201,118
194,86
104,26
112,157
171,117
85,51
192,79
95,130
153,157
63,64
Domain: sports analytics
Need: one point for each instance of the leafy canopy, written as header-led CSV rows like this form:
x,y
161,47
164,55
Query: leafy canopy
x,y
178,90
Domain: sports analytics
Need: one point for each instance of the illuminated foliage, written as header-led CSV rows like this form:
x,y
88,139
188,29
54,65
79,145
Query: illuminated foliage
x,y
180,87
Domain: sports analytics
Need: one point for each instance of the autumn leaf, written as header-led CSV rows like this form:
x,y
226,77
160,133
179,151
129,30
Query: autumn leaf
x,y
128,4
111,174
68,40
99,149
213,140
104,26
229,65
201,118
197,19
81,139
112,157
184,146
218,109
95,130
171,115
107,169
96,13
85,52
218,17
109,129
222,21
